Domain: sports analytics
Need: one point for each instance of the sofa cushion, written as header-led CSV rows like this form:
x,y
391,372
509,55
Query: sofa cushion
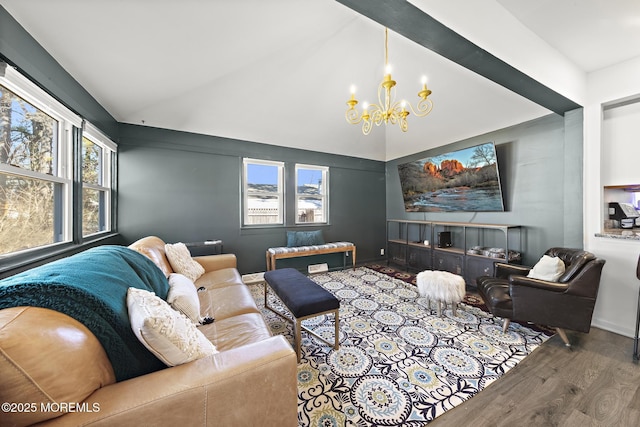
x,y
47,357
227,301
183,296
237,331
182,262
167,333
219,278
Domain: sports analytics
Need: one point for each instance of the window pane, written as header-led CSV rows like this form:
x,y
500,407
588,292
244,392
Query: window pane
x,y
310,209
263,197
28,137
28,213
92,211
262,178
91,162
309,181
263,210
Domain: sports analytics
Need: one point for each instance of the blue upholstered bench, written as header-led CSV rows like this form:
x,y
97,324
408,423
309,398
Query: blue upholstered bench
x,y
304,299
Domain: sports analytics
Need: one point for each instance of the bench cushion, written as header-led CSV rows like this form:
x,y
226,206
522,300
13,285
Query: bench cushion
x,y
301,295
286,249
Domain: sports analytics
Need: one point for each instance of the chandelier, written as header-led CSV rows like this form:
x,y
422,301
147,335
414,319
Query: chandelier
x,y
388,110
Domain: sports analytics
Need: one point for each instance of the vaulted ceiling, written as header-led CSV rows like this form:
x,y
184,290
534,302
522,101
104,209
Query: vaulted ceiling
x,y
279,71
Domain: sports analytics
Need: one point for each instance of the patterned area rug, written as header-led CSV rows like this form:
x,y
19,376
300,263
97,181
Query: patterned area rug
x,y
398,363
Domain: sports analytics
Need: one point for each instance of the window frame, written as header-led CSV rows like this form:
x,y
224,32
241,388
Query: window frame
x,y
109,148
22,87
246,193
323,193
66,172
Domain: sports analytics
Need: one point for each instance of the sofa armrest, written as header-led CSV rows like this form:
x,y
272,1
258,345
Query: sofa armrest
x,y
217,262
232,388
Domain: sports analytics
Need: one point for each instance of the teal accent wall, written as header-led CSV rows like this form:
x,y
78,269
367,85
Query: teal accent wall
x,y
540,166
187,187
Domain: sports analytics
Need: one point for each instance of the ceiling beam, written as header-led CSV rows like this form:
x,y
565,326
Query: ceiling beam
x,y
406,19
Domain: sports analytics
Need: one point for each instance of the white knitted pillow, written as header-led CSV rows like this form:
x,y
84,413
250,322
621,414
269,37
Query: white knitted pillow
x,y
183,296
181,261
165,332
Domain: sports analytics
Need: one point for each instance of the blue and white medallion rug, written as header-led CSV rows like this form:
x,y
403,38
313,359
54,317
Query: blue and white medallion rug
x,y
398,363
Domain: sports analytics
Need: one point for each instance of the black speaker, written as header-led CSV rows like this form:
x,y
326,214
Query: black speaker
x,y
444,239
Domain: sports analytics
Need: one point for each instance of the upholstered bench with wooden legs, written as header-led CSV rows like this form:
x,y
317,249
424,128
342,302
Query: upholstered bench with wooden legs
x,y
304,299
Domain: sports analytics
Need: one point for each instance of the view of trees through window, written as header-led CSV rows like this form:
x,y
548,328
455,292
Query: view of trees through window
x,y
92,199
28,143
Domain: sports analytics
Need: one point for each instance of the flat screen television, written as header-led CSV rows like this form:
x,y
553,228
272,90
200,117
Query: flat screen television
x,y
463,180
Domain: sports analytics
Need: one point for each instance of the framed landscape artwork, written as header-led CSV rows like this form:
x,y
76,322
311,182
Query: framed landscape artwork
x,y
463,180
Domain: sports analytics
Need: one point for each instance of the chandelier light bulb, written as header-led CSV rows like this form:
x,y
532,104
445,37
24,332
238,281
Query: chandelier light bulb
x,y
352,89
387,69
423,80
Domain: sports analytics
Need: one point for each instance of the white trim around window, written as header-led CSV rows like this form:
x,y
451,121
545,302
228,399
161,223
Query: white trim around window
x,y
262,192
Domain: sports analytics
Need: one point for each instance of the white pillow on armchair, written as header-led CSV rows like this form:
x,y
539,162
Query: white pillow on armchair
x,y
548,268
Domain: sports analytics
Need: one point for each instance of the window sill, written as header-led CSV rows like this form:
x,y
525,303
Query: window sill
x,y
15,264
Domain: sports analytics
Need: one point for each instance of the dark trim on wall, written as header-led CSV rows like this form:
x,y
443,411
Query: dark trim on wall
x,y
411,22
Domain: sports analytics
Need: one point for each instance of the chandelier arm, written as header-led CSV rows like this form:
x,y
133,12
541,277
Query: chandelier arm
x,y
423,107
352,116
366,127
377,117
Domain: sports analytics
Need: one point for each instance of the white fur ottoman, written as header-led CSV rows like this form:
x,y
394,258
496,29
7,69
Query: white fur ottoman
x,y
442,287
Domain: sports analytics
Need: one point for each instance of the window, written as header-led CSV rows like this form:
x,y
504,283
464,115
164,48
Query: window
x,y
96,158
311,194
37,163
263,201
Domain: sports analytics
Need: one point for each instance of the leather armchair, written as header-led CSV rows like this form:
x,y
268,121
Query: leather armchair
x,y
565,304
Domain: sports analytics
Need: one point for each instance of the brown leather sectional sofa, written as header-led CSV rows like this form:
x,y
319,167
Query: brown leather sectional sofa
x,y
55,371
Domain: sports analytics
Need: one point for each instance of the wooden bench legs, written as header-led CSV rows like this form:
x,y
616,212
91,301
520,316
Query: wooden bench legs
x,y
298,327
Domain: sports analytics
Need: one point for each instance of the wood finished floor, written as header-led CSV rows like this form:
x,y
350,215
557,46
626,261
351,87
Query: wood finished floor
x,y
594,383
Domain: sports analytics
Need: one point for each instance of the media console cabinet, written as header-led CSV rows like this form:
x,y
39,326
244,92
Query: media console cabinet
x,y
467,249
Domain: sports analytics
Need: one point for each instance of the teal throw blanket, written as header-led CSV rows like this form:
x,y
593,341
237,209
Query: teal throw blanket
x,y
92,288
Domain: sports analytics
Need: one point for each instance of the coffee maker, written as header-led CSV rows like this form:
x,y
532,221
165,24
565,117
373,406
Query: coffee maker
x,y
625,214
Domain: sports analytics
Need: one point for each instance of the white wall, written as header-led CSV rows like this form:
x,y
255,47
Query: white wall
x,y
611,153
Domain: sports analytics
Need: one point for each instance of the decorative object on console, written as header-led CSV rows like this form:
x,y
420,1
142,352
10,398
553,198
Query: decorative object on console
x,y
388,110
462,180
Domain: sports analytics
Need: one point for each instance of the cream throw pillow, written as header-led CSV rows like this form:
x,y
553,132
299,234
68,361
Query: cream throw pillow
x,y
165,332
181,261
548,268
183,296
